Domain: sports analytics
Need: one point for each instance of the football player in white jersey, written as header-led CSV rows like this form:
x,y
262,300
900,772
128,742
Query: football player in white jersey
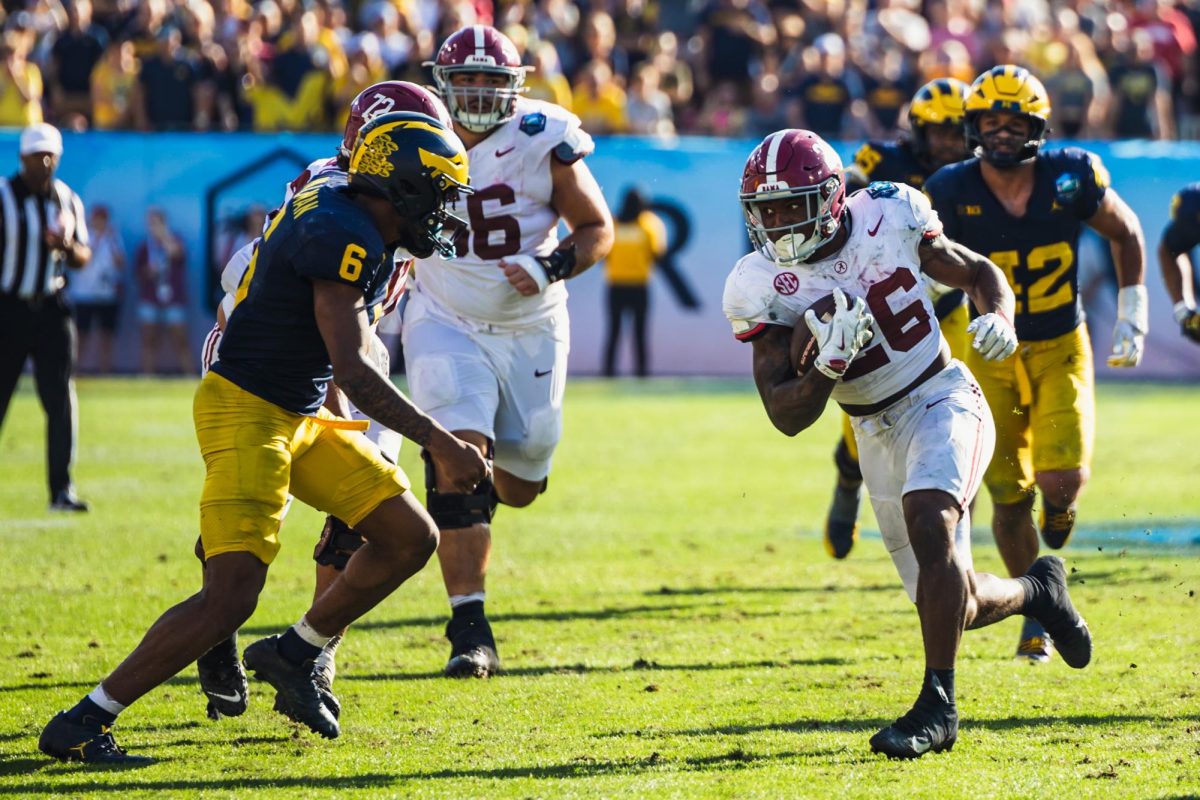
x,y
221,676
924,431
486,333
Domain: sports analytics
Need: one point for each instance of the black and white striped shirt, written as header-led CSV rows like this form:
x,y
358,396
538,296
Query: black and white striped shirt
x,y
29,269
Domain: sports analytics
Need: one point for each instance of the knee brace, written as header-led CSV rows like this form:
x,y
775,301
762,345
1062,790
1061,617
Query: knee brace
x,y
452,510
847,466
338,542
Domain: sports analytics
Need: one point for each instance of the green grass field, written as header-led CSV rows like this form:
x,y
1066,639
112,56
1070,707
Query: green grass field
x,y
669,623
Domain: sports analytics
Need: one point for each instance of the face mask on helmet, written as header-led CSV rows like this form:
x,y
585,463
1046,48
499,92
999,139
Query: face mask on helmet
x,y
480,106
1007,145
789,225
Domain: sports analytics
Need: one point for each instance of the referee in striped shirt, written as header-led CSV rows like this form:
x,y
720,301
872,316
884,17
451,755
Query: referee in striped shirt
x,y
42,234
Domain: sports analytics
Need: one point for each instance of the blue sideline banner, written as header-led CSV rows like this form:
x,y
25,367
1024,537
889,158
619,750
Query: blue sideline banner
x,y
205,183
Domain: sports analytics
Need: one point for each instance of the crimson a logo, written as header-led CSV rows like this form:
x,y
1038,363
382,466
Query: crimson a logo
x,y
786,283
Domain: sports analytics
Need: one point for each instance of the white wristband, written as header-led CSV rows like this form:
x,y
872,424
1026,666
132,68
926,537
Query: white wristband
x,y
1182,311
1133,306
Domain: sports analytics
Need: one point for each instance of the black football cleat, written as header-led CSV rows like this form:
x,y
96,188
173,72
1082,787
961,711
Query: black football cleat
x,y
472,649
841,526
1057,525
920,731
91,743
323,678
223,682
294,682
1056,612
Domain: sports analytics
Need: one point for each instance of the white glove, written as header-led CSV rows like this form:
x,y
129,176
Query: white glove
x,y
840,339
1133,321
995,338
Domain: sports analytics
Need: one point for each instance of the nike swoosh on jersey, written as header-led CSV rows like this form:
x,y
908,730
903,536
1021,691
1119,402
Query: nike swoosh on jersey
x,y
875,230
537,373
236,697
506,151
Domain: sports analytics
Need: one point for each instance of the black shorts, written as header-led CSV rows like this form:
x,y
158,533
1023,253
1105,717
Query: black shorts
x,y
102,314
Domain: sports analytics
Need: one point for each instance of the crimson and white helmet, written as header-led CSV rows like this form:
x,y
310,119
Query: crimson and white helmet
x,y
479,48
793,165
385,97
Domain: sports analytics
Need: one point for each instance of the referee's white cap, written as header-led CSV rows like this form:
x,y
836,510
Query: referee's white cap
x,y
41,138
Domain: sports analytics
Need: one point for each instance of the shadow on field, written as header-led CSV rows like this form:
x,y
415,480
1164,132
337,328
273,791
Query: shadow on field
x,y
525,616
182,679
700,591
56,788
872,724
641,665
587,767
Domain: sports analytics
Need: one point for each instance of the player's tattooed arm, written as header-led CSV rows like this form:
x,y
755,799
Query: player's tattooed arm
x,y
1115,221
342,320
793,403
960,267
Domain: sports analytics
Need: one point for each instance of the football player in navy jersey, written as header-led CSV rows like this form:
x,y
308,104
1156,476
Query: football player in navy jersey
x,y
1179,238
302,318
935,116
1024,207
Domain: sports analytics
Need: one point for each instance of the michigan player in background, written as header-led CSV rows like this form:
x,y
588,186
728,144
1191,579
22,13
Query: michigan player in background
x,y
486,331
1179,239
302,318
935,116
1024,207
222,679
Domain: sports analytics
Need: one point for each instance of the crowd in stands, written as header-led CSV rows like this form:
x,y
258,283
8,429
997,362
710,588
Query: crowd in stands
x,y
845,68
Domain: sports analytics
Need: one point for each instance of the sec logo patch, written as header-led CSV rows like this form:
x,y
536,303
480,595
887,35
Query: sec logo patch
x,y
786,283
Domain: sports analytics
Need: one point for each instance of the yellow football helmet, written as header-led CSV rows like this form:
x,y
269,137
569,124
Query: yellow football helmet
x,y
1014,90
938,103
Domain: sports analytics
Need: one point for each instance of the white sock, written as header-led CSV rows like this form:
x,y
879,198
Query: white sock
x,y
102,699
310,634
457,600
325,661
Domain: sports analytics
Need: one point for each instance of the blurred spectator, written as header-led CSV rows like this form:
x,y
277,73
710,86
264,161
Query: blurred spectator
x,y
95,289
820,100
116,102
546,81
365,68
169,82
1079,94
766,113
733,35
723,113
1141,107
886,91
289,92
598,101
75,53
641,238
20,84
162,305
648,109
